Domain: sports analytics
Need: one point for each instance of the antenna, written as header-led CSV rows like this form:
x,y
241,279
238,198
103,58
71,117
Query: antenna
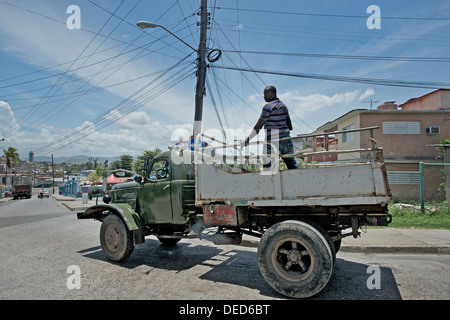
x,y
372,101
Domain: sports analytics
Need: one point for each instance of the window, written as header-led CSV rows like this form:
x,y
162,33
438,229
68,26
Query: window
x,y
401,127
346,137
159,170
404,177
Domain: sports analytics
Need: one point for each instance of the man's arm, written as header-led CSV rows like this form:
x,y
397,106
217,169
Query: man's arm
x,y
289,123
258,126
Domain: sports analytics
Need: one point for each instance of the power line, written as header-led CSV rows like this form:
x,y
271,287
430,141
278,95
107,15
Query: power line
x,y
372,81
134,101
333,15
85,30
33,110
335,32
123,53
341,56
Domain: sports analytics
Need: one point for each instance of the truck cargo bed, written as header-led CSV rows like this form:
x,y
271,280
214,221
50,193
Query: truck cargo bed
x,y
350,184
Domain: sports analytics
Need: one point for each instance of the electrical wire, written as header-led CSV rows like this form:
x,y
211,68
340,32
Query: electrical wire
x,y
132,103
36,107
342,56
272,12
372,81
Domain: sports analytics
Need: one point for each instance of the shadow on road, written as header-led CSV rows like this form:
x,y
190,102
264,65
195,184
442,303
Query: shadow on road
x,y
240,267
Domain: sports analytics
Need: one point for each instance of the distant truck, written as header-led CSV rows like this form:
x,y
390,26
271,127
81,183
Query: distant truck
x,y
300,215
21,191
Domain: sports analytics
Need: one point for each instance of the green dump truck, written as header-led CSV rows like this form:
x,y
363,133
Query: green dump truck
x,y
300,215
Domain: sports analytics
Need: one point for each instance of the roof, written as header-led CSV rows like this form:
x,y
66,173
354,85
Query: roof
x,y
421,97
112,179
331,124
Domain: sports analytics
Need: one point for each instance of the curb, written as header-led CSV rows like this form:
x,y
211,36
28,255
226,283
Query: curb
x,y
73,208
253,243
4,200
396,249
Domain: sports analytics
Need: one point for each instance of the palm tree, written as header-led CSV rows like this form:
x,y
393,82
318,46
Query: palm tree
x,y
12,157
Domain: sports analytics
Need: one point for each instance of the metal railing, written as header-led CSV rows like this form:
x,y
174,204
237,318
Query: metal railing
x,y
210,151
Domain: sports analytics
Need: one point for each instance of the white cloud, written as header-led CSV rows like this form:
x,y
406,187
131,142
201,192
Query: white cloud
x,y
305,105
369,92
43,43
7,120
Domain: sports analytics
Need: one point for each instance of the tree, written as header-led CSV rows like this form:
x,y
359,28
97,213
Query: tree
x,y
101,172
93,176
12,157
117,164
127,162
139,164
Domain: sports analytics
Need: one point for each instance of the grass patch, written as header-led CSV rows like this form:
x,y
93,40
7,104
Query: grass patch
x,y
436,216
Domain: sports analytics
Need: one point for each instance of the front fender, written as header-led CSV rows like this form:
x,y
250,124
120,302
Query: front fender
x,y
125,211
131,219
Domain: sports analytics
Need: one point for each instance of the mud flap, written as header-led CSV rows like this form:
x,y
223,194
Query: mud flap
x,y
219,215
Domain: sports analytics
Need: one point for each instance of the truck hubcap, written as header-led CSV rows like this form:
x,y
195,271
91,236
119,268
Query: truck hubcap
x,y
113,238
292,260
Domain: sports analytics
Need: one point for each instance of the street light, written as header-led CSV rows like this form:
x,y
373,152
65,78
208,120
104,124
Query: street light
x,y
201,64
150,25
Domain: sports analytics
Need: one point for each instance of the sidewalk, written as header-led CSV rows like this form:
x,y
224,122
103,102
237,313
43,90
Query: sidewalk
x,y
75,204
373,241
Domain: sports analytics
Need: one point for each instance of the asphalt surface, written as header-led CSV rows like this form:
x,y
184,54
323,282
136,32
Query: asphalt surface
x,y
374,240
36,256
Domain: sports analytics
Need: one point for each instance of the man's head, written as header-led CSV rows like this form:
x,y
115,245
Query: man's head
x,y
270,93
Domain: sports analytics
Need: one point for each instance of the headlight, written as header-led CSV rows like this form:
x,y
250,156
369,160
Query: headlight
x,y
106,198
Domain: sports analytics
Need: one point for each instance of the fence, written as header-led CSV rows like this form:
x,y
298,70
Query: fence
x,y
431,184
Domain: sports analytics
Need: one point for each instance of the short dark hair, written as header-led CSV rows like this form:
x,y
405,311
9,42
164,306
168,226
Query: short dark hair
x,y
271,89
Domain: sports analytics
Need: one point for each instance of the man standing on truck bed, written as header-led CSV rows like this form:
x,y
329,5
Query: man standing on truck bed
x,y
275,119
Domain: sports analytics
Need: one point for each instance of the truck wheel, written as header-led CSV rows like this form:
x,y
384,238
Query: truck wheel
x,y
295,259
115,239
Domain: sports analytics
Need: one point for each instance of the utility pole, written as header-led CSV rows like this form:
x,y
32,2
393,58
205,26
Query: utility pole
x,y
201,70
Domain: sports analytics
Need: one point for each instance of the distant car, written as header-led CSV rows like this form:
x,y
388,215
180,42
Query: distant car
x,y
44,193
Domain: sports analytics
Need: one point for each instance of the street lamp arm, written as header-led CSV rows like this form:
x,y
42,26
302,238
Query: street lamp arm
x,y
146,25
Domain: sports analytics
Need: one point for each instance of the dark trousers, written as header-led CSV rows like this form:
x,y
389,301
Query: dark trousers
x,y
284,147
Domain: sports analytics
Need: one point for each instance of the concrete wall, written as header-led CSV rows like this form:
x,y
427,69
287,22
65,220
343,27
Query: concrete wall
x,y
406,146
353,144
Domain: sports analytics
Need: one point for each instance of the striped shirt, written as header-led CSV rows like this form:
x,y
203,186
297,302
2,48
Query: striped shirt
x,y
276,115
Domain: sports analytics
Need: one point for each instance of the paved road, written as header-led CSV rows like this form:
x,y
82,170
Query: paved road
x,y
40,240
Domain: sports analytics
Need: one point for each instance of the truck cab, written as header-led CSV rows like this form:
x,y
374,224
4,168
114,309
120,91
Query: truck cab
x,y
162,203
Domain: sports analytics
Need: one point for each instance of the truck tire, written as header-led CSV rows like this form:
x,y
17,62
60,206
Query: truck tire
x,y
115,239
295,259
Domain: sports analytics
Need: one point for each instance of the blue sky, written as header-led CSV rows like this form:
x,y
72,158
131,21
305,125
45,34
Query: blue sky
x,y
110,88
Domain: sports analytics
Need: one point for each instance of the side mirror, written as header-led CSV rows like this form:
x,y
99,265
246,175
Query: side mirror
x,y
138,179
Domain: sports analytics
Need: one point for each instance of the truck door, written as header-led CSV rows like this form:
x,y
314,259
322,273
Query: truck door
x,y
155,196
